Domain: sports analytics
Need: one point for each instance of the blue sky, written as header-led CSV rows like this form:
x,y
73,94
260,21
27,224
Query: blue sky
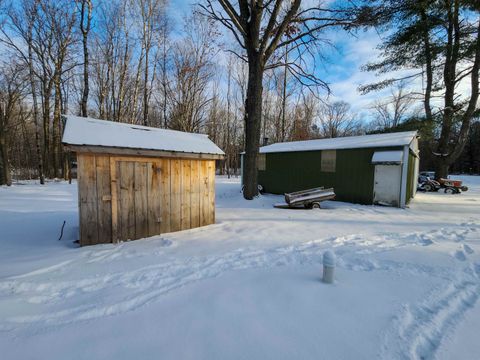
x,y
342,70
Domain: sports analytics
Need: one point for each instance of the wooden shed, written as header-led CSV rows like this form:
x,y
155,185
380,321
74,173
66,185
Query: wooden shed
x,y
136,181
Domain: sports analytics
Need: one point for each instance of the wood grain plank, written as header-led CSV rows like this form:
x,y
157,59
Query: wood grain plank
x,y
165,195
195,194
186,194
126,200
104,206
114,201
204,197
141,200
154,173
211,191
176,195
87,191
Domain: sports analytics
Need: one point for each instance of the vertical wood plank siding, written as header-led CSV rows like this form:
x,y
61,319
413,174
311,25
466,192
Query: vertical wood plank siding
x,y
195,187
87,193
104,198
186,194
175,195
127,198
165,194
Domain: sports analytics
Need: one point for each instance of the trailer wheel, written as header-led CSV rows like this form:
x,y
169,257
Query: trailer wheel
x,y
316,205
450,190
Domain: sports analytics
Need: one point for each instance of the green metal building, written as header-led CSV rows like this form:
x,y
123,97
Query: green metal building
x,y
370,169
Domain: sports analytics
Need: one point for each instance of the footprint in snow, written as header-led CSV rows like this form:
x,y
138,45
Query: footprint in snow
x,y
471,225
468,249
476,268
165,242
460,255
425,241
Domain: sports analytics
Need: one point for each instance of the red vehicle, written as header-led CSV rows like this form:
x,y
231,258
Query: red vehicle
x,y
452,186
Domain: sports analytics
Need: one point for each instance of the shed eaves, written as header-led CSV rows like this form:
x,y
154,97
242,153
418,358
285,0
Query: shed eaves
x,y
93,132
351,142
387,157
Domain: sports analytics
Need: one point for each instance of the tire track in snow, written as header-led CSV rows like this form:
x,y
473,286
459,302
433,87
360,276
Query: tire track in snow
x,y
117,293
421,328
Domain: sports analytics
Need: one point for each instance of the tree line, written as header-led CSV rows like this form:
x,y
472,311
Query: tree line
x,y
127,61
239,71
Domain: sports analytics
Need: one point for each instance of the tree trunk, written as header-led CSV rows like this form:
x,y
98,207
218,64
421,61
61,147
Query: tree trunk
x,y
145,89
5,175
441,169
85,28
446,153
122,77
253,120
428,68
137,85
56,128
46,132
31,78
284,95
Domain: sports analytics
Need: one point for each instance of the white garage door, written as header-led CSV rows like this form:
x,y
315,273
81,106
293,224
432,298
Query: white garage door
x,y
387,185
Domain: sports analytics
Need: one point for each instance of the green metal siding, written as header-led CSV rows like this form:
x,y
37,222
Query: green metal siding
x,y
410,175
293,171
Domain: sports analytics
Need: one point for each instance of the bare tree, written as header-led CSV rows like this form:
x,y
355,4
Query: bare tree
x,y
150,13
18,34
112,63
193,71
60,19
336,120
260,28
164,69
31,10
86,7
11,93
303,117
390,112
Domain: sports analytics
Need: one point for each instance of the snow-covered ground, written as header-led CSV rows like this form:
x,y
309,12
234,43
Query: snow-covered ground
x,y
247,287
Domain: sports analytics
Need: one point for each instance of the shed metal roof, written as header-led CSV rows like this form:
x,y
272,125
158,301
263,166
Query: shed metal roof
x,y
387,157
81,131
351,142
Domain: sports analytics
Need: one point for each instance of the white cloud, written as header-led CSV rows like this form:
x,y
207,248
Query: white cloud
x,y
345,75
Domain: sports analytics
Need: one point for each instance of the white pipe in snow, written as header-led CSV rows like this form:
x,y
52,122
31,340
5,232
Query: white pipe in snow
x,y
328,266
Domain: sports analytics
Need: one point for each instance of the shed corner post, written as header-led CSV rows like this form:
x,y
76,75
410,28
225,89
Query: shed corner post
x,y
403,187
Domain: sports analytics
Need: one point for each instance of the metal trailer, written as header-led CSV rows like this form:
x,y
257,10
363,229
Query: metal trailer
x,y
308,199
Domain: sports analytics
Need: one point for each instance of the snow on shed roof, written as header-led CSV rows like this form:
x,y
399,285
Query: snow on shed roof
x,y
387,157
351,142
93,132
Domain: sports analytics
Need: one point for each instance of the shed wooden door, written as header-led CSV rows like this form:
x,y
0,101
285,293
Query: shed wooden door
x,y
138,200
